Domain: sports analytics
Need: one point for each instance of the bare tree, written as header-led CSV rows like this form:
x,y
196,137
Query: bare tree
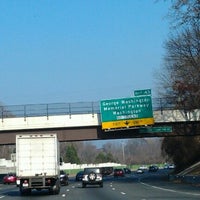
x,y
180,76
87,152
184,13
6,151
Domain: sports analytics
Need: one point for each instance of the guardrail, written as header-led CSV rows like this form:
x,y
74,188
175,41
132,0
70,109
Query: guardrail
x,y
31,110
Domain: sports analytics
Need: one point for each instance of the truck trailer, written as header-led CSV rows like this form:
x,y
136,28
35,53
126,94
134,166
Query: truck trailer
x,y
38,162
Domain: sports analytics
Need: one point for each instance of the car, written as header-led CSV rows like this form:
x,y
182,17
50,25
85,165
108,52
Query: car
x,y
143,167
79,176
153,168
119,172
106,171
127,170
10,178
171,166
140,171
64,179
92,176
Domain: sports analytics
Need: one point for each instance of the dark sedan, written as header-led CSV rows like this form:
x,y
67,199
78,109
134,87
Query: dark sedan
x,y
119,172
64,179
79,176
127,171
153,168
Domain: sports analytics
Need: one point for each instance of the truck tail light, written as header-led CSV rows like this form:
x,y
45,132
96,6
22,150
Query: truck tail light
x,y
49,181
25,181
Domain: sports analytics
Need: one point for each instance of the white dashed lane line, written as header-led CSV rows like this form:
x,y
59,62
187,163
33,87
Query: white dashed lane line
x,y
113,188
123,193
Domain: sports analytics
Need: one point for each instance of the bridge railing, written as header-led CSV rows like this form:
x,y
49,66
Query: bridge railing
x,y
31,110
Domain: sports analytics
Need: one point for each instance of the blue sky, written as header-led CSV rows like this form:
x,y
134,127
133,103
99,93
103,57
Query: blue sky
x,y
55,51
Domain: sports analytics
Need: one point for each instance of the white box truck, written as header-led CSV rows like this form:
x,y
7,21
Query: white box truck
x,y
38,162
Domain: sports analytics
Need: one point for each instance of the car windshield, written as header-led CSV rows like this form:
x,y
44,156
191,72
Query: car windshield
x,y
118,170
89,170
11,174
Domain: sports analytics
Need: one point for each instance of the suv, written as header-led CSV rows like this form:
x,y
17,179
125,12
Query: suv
x,y
92,176
153,168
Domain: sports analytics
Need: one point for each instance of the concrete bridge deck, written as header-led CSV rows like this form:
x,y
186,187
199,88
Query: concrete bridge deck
x,y
82,121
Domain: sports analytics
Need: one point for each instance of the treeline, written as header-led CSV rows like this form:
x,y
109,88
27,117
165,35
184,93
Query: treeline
x,y
132,151
179,78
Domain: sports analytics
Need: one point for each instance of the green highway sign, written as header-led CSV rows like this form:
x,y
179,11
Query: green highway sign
x,y
160,129
142,92
126,108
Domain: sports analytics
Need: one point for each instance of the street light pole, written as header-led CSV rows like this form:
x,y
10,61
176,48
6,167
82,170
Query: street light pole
x,y
123,155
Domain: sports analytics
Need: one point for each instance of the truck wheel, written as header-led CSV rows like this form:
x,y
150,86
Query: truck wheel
x,y
55,189
83,185
24,191
51,191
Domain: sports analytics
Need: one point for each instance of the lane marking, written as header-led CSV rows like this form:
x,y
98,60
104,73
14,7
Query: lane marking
x,y
2,197
170,190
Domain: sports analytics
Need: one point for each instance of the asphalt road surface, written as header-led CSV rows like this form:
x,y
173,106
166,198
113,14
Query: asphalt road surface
x,y
147,186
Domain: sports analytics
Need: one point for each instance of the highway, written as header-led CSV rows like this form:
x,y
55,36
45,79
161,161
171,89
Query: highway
x,y
147,186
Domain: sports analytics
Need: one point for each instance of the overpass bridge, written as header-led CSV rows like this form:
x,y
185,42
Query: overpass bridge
x,y
82,121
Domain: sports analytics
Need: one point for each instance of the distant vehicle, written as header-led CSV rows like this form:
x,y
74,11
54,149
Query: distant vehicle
x,y
119,172
127,171
143,167
171,166
106,171
10,178
79,176
153,168
64,179
140,171
92,176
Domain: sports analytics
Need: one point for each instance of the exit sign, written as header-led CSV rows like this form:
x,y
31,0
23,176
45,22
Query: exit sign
x,y
126,112
142,92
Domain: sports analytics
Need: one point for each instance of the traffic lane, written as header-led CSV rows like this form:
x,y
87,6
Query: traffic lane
x,y
9,191
114,188
181,191
159,181
94,192
156,182
131,188
73,191
160,190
